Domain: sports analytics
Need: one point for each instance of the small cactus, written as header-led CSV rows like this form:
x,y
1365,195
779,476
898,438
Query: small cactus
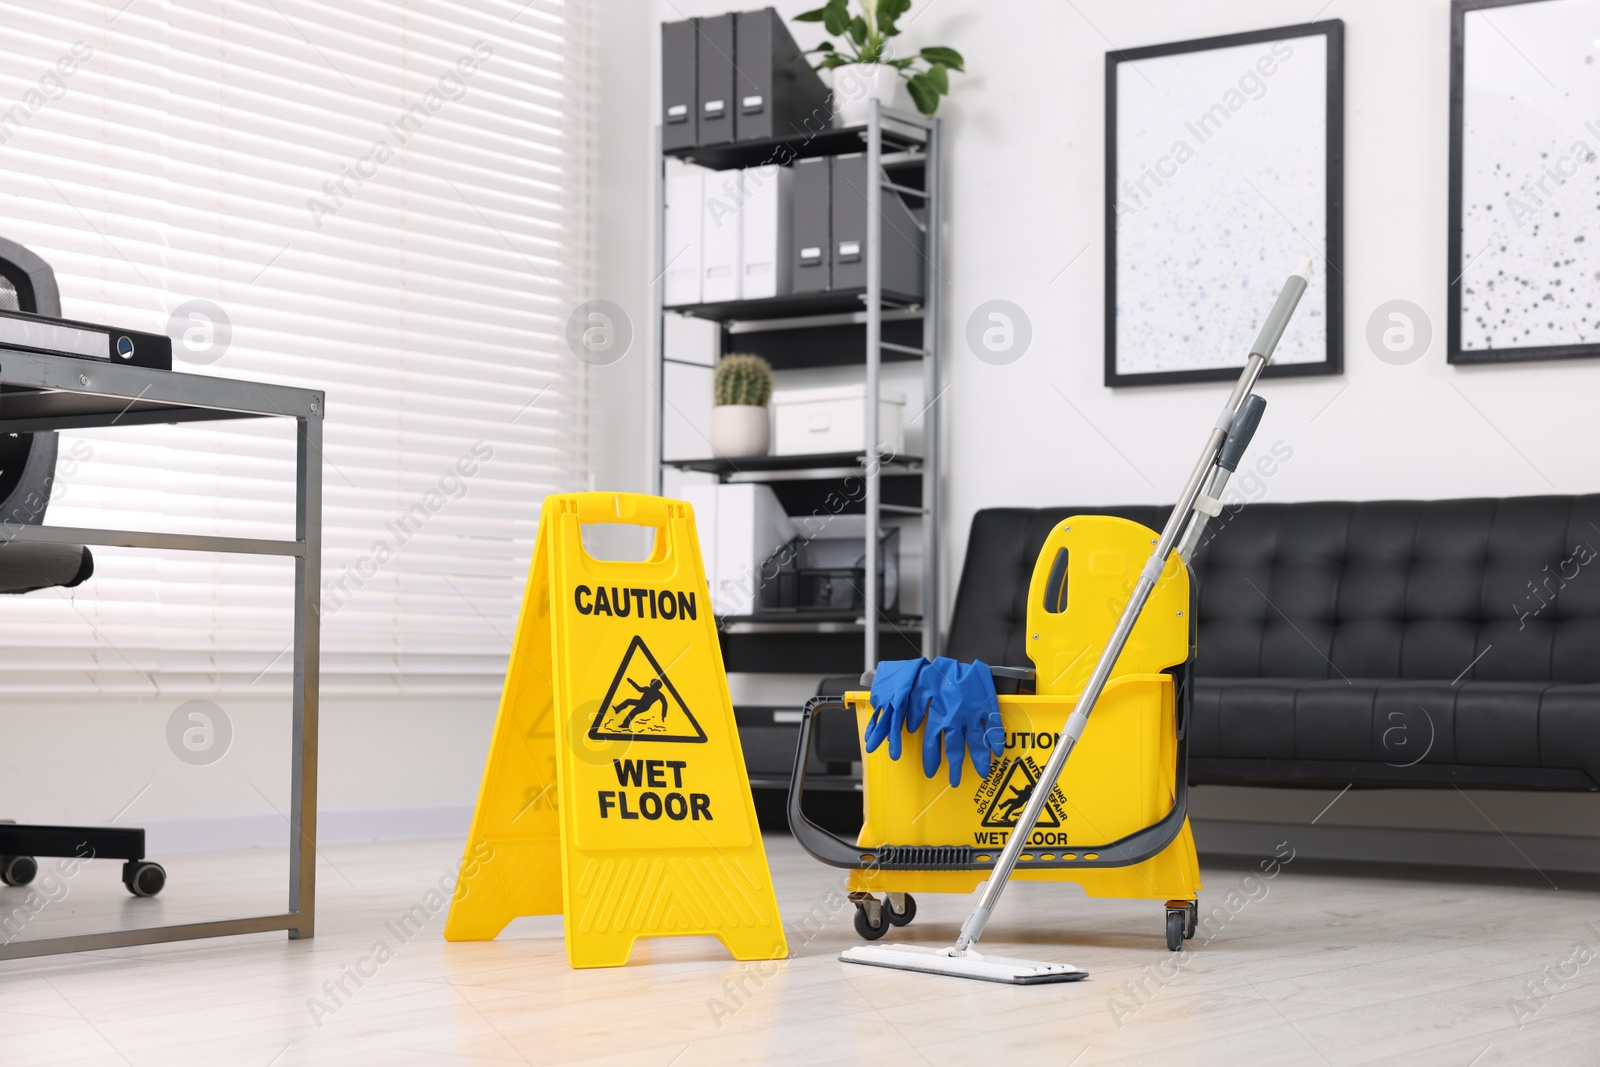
x,y
742,379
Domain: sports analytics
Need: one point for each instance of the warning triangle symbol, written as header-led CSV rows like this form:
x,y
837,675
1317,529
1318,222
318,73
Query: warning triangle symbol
x,y
1015,790
642,704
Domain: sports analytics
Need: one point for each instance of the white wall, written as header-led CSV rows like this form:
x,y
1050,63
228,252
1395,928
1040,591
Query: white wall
x,y
1026,144
1425,430
620,394
1025,155
387,767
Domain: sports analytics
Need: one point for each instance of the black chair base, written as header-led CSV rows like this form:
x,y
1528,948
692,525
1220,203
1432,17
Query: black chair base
x,y
19,845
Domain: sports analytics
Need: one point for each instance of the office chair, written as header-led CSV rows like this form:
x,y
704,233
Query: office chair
x,y
27,476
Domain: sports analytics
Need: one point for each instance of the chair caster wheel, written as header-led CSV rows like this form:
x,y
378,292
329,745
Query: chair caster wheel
x,y
906,914
864,924
143,878
18,870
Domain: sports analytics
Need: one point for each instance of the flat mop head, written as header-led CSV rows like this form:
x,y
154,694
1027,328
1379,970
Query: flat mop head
x,y
970,964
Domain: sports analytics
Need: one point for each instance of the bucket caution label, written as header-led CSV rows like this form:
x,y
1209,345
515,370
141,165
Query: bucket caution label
x,y
1002,796
643,705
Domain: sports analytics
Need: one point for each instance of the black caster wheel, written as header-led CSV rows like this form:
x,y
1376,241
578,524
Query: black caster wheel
x,y
864,925
17,870
1194,919
901,918
1177,921
143,878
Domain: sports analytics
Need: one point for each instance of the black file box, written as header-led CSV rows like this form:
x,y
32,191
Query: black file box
x,y
679,102
902,236
714,62
811,236
776,93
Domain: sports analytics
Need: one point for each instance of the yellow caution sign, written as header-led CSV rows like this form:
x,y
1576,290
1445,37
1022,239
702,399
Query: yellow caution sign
x,y
615,790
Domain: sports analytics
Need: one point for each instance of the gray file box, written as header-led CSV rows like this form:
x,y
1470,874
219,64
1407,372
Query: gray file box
x,y
714,61
810,237
678,99
776,93
902,237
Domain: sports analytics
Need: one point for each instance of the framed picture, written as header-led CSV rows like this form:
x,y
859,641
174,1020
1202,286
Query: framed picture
x,y
1224,173
1524,180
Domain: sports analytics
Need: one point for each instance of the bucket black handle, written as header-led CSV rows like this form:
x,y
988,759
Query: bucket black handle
x,y
835,851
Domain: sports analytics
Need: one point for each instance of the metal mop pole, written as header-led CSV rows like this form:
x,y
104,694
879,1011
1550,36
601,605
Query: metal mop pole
x,y
1260,354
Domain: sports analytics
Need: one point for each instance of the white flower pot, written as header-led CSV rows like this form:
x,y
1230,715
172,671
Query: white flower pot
x,y
854,84
740,430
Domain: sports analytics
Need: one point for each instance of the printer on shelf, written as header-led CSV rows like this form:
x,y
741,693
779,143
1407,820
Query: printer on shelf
x,y
825,568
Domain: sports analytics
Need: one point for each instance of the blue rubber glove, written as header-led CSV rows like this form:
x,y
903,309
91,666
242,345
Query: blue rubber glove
x,y
896,707
963,717
930,682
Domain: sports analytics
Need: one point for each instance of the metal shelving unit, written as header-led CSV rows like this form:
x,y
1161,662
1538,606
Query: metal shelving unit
x,y
818,330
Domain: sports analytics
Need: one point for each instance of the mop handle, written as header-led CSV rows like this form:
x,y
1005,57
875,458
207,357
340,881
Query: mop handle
x,y
1260,354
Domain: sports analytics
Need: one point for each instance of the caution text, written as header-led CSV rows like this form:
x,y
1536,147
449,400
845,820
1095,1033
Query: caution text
x,y
621,603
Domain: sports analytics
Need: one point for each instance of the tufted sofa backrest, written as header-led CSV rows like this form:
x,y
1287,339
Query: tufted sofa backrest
x,y
1486,589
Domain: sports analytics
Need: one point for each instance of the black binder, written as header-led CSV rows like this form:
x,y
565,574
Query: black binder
x,y
776,93
810,237
715,83
678,100
84,340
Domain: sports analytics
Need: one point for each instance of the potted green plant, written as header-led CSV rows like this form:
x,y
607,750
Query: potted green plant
x,y
740,425
865,66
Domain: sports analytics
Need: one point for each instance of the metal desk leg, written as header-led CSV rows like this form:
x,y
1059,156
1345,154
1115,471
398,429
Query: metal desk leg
x,y
307,662
189,398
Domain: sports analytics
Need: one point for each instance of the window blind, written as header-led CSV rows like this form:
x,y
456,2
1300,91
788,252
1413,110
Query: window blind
x,y
389,201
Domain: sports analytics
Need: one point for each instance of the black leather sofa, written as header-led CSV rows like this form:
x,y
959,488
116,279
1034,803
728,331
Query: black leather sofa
x,y
1390,643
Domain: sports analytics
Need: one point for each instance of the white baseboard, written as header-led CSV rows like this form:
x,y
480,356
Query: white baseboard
x,y
167,836
1213,837
1454,848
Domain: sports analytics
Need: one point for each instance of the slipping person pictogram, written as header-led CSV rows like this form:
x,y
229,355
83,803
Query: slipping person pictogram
x,y
653,711
1018,779
1010,809
649,696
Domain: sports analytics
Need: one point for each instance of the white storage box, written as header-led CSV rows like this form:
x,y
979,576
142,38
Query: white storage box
x,y
810,421
681,236
739,525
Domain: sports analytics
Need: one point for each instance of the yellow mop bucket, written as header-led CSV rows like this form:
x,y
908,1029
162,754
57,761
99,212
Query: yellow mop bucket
x,y
1116,821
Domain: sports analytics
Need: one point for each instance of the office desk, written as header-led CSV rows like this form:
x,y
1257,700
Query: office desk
x,y
63,393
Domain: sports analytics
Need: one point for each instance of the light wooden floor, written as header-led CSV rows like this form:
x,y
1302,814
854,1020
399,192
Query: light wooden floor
x,y
1328,967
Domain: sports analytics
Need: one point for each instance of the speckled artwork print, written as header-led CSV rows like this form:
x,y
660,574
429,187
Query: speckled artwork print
x,y
1530,183
1221,192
